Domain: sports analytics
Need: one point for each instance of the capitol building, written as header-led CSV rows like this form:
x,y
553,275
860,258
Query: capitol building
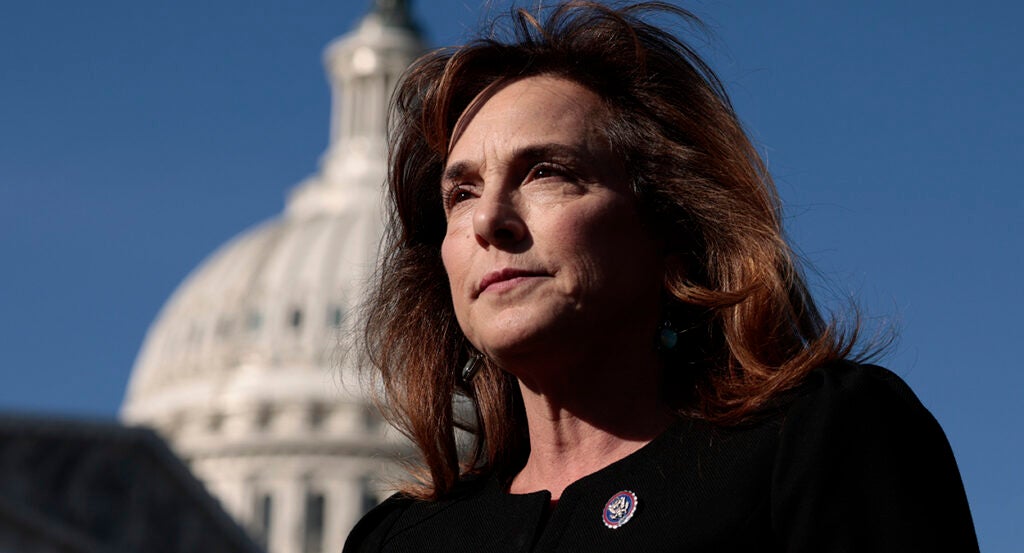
x,y
243,372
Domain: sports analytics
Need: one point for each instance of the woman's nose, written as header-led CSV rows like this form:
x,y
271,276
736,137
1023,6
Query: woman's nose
x,y
497,221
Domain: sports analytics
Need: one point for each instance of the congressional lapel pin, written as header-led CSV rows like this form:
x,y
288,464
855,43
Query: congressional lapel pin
x,y
619,509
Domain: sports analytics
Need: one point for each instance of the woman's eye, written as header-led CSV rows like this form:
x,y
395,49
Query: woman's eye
x,y
456,195
546,170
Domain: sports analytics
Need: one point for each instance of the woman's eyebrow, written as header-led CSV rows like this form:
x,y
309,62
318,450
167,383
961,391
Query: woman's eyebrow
x,y
547,151
455,171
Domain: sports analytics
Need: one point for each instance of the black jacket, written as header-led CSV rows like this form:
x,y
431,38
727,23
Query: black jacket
x,y
852,462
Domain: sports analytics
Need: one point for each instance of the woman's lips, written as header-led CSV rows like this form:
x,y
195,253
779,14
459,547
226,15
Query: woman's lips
x,y
504,279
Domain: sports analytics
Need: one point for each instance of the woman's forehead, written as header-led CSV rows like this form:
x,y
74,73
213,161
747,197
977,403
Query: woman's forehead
x,y
537,109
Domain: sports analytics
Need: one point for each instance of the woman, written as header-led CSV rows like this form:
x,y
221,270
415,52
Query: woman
x,y
585,245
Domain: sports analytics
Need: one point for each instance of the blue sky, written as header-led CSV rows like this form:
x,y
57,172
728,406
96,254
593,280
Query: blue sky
x,y
136,137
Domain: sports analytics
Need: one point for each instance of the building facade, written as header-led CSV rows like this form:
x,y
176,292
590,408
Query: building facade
x,y
244,370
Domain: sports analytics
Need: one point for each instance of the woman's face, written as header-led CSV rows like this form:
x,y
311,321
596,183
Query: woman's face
x,y
544,248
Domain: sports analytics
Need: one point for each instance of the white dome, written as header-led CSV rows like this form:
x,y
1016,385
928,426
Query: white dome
x,y
260,320
243,370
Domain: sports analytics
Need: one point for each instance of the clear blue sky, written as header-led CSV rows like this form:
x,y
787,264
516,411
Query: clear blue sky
x,y
136,137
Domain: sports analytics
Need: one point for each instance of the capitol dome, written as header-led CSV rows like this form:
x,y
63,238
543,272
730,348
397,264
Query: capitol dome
x,y
241,370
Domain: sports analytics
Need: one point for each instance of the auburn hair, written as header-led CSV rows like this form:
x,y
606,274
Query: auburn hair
x,y
751,329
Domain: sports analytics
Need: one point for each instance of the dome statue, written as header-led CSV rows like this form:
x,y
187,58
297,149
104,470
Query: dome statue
x,y
240,371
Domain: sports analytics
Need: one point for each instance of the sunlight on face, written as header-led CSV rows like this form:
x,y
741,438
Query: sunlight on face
x,y
544,245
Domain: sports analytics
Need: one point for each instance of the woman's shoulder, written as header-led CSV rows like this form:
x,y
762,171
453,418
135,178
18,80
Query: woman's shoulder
x,y
848,389
371,530
859,409
401,512
861,460
847,380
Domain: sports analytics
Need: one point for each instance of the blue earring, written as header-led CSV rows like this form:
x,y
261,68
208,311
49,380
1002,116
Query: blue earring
x,y
667,336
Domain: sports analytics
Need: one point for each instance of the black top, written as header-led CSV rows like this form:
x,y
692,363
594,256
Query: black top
x,y
852,462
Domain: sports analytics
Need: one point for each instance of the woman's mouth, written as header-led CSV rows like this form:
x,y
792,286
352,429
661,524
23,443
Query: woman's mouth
x,y
505,279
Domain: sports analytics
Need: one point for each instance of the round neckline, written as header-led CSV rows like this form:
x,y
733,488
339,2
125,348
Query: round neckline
x,y
642,452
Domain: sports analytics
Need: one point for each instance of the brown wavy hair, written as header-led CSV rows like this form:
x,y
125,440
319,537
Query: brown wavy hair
x,y
751,328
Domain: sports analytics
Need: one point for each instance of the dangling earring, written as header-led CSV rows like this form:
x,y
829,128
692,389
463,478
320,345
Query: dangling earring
x,y
668,337
471,367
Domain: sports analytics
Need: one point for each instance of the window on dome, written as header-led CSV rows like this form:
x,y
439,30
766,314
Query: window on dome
x,y
317,415
264,416
335,316
215,422
371,420
313,529
253,321
296,318
224,327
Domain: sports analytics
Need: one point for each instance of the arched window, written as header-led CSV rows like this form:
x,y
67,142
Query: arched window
x,y
317,414
264,416
335,316
253,321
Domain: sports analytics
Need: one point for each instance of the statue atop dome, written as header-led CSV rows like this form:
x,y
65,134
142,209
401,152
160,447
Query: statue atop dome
x,y
394,13
363,67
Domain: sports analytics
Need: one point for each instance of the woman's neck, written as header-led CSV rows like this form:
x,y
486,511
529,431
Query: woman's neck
x,y
576,430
